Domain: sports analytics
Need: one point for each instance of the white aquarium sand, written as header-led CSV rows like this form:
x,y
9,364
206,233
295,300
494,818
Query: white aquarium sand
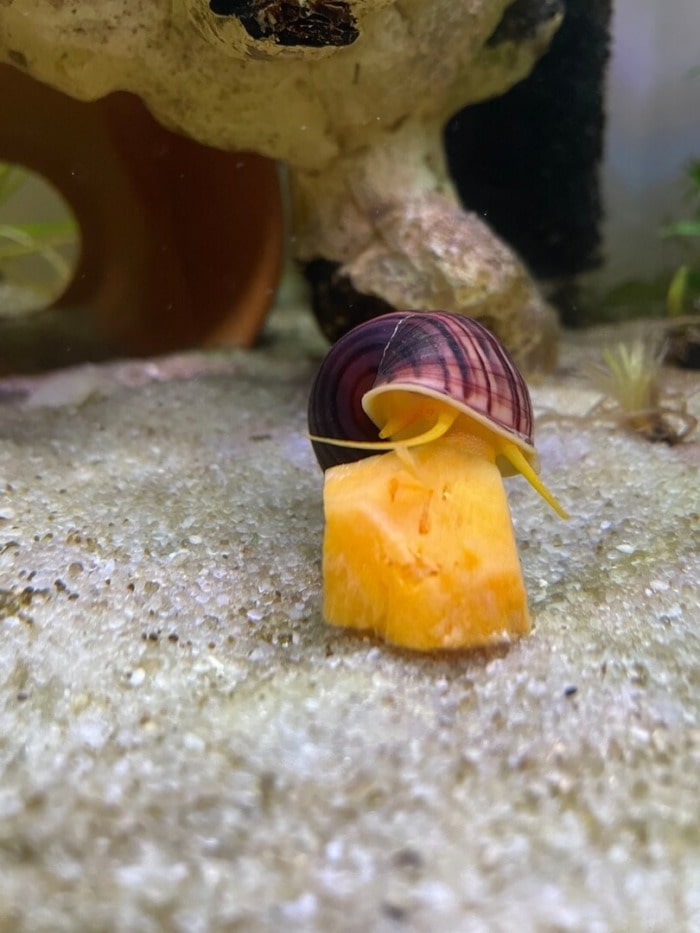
x,y
185,746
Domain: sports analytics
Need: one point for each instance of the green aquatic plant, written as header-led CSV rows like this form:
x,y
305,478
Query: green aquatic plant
x,y
630,374
630,378
44,239
684,290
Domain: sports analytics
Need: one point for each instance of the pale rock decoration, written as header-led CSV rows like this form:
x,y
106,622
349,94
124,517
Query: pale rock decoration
x,y
352,95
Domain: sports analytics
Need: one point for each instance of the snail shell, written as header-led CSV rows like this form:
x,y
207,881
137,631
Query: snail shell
x,y
438,354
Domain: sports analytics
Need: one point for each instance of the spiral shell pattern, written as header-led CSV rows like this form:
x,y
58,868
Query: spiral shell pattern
x,y
437,352
347,372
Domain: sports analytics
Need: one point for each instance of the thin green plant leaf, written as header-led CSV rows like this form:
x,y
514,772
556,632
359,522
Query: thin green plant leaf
x,y
25,239
684,228
11,180
23,243
694,171
675,299
50,230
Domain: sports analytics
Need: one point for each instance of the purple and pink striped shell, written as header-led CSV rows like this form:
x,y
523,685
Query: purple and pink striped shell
x,y
435,352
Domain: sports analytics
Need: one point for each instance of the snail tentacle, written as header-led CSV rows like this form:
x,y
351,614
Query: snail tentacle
x,y
515,457
442,425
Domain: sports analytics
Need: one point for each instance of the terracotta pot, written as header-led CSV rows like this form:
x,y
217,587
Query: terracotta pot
x,y
181,243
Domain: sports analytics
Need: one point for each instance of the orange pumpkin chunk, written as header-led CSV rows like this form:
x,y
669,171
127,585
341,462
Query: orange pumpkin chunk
x,y
419,548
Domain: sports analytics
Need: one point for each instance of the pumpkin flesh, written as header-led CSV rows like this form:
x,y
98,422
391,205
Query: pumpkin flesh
x,y
419,548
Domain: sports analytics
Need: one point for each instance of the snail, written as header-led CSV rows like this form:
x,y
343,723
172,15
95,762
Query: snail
x,y
418,544
407,378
